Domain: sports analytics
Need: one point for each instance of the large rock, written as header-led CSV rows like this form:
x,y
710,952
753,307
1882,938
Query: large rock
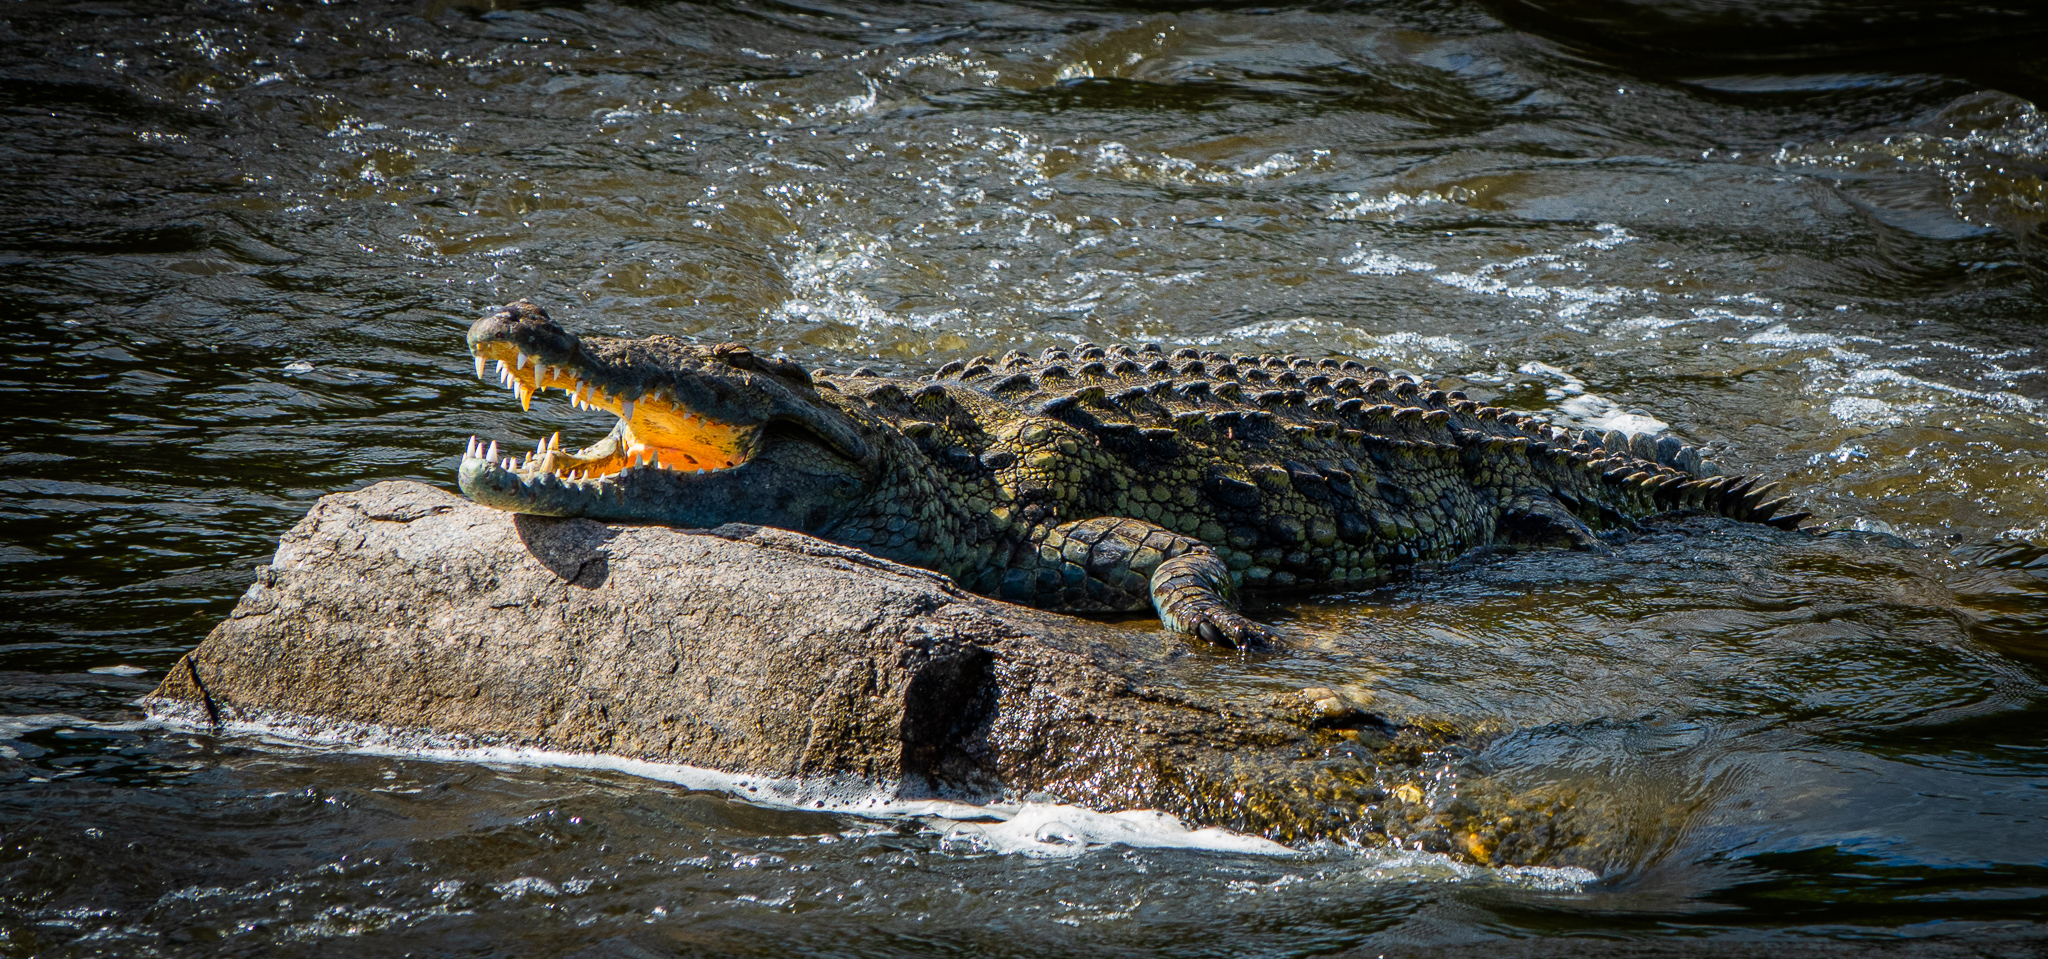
x,y
766,653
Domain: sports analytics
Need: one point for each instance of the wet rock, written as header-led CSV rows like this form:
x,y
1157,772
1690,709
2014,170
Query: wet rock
x,y
765,653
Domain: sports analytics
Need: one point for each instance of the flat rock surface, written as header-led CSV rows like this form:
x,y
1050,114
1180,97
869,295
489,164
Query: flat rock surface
x,y
765,653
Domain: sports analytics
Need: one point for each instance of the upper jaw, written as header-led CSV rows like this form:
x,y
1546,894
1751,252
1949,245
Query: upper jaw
x,y
683,409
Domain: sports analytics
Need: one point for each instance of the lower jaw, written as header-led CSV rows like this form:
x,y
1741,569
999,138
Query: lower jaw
x,y
545,494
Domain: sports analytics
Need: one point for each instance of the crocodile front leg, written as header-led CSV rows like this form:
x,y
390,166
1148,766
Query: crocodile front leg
x,y
1114,563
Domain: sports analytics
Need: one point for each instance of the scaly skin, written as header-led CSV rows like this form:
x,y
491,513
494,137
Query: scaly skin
x,y
1088,479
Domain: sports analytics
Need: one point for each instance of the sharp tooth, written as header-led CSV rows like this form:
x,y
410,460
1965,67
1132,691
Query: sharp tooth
x,y
479,367
626,410
508,464
520,362
492,453
525,396
501,369
540,447
540,374
555,441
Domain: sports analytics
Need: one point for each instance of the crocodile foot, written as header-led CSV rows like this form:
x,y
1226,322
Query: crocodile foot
x,y
1192,593
1226,627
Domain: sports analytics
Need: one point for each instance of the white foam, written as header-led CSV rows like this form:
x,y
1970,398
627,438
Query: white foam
x,y
1864,411
1375,263
1040,830
1594,412
1119,160
1611,236
1783,337
824,283
1388,866
2010,402
1360,206
1057,831
11,727
1577,407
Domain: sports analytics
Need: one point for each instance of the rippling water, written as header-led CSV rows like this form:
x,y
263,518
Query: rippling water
x,y
239,243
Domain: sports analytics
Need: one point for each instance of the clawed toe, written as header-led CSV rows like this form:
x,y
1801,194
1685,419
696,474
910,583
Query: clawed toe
x,y
1234,631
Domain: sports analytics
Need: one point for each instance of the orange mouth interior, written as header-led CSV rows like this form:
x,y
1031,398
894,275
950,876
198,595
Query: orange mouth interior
x,y
659,432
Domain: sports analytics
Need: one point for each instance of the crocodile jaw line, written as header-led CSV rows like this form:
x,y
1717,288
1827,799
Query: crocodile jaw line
x,y
656,432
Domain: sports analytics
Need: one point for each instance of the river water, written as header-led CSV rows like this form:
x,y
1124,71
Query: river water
x,y
239,243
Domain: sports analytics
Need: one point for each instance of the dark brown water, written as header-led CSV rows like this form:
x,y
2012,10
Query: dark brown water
x,y
239,242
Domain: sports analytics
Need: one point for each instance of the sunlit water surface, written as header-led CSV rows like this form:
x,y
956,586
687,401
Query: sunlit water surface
x,y
239,243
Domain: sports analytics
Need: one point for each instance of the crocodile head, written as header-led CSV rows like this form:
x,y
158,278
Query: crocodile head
x,y
705,434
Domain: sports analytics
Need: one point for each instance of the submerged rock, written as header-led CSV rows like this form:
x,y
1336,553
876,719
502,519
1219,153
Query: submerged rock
x,y
764,653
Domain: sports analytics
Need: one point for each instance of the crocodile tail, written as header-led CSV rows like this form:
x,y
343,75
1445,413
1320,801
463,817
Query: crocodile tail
x,y
1624,478
1672,477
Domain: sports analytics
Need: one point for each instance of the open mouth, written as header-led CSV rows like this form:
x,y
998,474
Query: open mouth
x,y
655,432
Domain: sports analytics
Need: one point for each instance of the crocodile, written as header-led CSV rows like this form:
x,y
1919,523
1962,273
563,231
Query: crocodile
x,y
1085,478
